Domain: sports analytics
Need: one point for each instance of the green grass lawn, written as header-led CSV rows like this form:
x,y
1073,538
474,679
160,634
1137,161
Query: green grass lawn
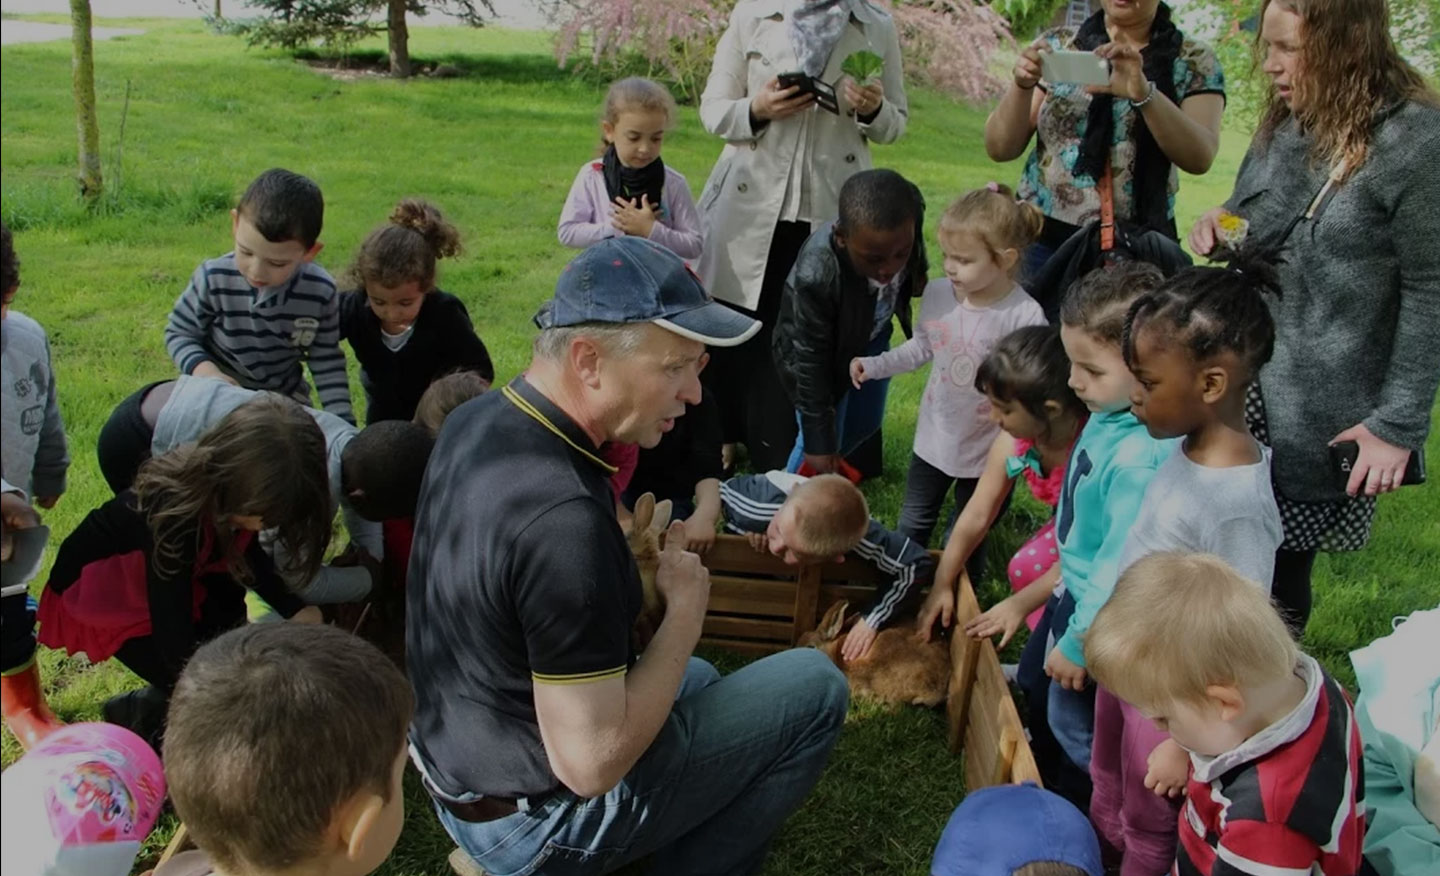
x,y
497,150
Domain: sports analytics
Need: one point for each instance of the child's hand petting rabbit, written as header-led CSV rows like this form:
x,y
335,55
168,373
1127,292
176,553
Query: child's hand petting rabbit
x,y
858,641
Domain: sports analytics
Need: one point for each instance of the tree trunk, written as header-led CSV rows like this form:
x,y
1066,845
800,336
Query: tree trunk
x,y
399,41
218,16
83,84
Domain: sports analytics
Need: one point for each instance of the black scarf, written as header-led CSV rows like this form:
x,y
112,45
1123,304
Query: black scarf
x,y
632,182
1152,168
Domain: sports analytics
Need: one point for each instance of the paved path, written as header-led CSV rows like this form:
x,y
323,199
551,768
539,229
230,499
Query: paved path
x,y
516,14
36,32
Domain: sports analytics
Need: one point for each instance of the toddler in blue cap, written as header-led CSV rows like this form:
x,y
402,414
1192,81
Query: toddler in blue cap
x,y
1017,830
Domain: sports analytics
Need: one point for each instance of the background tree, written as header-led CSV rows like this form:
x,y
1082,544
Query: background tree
x,y
339,24
944,43
82,82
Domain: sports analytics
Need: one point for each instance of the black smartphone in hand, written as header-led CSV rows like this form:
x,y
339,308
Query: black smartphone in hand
x,y
824,93
1345,454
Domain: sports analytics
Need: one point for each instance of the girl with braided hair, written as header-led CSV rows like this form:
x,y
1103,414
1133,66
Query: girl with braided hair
x,y
1194,344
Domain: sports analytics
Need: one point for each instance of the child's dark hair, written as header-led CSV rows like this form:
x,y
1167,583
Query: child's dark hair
x,y
383,467
445,394
405,250
1210,310
1099,302
993,216
9,263
266,459
884,200
1029,366
283,205
273,727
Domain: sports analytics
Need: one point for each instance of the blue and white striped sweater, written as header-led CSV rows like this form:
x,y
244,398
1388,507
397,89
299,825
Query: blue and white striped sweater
x,y
748,503
261,340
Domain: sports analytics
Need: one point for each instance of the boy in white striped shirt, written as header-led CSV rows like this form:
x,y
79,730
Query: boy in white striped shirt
x,y
253,315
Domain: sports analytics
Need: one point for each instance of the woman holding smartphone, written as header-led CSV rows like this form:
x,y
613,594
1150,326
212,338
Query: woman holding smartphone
x,y
1160,111
785,158
1341,178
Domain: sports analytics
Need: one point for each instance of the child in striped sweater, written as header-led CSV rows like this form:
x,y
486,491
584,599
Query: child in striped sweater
x,y
253,315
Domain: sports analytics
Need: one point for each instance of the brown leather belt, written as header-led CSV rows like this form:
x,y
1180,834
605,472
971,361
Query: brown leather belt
x,y
482,810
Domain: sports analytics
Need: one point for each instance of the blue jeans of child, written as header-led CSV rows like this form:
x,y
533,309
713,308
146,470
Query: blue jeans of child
x,y
859,413
736,756
1070,713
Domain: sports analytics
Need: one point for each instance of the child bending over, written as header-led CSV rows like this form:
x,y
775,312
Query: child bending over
x,y
1194,346
285,754
404,330
253,315
962,315
1274,748
824,519
160,569
629,190
851,278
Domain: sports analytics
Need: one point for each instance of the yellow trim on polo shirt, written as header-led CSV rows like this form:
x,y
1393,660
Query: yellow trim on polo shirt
x,y
579,678
535,414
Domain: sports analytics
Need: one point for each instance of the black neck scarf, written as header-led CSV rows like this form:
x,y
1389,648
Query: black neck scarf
x,y
1152,168
632,182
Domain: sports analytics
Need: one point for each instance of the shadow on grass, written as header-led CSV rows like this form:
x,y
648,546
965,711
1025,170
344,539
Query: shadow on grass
x,y
527,69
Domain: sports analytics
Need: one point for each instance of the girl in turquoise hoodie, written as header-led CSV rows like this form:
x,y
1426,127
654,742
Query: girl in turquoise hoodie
x,y
1109,468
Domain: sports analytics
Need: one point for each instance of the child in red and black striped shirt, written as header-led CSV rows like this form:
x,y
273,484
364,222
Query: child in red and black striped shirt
x,y
1275,780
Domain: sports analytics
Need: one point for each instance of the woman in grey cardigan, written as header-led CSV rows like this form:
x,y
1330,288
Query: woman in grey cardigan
x,y
1342,178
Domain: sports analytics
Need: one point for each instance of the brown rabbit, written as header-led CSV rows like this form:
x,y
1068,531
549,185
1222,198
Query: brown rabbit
x,y
899,669
649,520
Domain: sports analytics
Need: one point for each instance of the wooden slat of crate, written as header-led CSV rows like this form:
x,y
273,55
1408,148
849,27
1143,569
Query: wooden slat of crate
x,y
748,628
733,554
757,596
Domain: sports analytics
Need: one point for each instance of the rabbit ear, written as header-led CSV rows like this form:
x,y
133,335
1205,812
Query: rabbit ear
x,y
663,510
644,512
833,620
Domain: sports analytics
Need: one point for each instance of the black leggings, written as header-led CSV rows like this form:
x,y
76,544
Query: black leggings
x,y
1290,587
125,441
754,408
17,632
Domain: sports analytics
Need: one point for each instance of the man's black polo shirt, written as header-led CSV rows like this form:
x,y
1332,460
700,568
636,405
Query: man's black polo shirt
x,y
519,575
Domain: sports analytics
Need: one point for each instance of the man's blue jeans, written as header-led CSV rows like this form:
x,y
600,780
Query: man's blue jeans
x,y
736,756
858,415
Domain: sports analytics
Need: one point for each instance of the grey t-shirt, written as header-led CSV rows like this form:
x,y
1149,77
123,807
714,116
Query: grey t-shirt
x,y
1229,512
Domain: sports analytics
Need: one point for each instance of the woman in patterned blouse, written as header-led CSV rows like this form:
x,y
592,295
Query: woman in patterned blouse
x,y
1160,111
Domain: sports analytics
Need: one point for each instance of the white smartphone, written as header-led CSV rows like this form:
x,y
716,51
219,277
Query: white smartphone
x,y
1082,68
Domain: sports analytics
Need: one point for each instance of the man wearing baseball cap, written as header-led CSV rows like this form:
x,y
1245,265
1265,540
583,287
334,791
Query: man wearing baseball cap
x,y
547,744
1017,830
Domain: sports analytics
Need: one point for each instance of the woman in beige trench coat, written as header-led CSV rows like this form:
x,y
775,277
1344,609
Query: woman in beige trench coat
x,y
779,173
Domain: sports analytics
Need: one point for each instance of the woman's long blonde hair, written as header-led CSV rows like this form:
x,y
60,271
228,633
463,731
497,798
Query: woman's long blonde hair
x,y
1350,70
266,458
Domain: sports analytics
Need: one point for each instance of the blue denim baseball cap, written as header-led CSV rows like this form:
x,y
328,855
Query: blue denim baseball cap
x,y
997,830
629,279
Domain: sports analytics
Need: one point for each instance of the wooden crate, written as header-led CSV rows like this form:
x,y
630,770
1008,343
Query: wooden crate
x,y
758,605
